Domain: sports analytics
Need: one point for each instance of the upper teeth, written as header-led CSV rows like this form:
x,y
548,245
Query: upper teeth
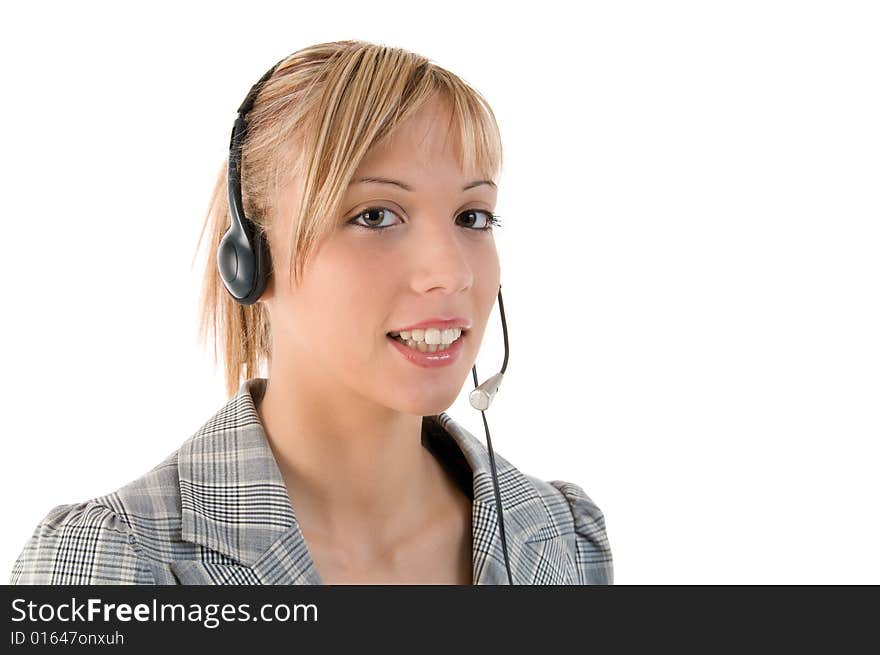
x,y
431,335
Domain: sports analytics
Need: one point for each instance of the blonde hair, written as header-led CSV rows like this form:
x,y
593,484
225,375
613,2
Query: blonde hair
x,y
317,116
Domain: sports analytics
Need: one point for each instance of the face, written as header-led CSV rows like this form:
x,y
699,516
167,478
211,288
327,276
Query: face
x,y
418,254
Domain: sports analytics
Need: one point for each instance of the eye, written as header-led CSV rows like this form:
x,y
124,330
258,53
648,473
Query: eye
x,y
472,216
373,218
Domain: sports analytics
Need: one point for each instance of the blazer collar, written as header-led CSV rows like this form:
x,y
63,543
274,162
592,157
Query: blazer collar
x,y
234,501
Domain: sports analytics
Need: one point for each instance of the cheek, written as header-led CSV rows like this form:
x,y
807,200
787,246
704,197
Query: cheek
x,y
489,278
350,311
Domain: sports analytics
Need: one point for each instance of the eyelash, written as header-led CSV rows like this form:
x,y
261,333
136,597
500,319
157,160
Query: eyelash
x,y
493,221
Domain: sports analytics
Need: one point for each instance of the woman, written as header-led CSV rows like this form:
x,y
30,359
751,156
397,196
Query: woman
x,y
366,179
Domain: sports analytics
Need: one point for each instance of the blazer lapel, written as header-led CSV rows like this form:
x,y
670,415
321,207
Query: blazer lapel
x,y
191,572
235,504
537,549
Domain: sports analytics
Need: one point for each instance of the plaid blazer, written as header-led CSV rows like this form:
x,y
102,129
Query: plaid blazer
x,y
217,511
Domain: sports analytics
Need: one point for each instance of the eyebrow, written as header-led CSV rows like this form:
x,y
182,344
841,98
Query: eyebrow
x,y
406,187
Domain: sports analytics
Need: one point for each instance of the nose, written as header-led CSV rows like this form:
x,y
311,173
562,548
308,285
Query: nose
x,y
443,258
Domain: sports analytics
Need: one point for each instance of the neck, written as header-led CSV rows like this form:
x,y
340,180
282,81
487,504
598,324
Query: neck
x,y
353,469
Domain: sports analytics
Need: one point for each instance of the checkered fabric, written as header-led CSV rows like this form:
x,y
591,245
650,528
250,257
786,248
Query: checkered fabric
x,y
217,511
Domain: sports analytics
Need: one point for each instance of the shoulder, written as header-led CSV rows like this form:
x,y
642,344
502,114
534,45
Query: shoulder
x,y
81,543
110,539
571,511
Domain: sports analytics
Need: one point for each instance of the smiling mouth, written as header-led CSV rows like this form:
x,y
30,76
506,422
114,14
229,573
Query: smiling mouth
x,y
421,343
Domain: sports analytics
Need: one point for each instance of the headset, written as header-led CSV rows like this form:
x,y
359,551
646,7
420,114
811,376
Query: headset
x,y
244,264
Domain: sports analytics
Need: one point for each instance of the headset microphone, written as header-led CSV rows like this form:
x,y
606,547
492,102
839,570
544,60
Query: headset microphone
x,y
244,265
481,397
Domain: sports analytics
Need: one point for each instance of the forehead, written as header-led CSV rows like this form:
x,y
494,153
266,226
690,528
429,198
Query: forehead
x,y
425,142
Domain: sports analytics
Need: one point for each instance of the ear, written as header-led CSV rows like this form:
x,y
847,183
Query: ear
x,y
269,290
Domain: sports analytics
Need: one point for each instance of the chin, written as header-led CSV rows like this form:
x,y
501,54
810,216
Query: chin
x,y
427,404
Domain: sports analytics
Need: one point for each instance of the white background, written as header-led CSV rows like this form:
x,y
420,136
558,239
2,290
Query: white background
x,y
689,250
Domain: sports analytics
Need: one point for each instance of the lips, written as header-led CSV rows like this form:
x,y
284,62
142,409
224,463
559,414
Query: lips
x,y
429,359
